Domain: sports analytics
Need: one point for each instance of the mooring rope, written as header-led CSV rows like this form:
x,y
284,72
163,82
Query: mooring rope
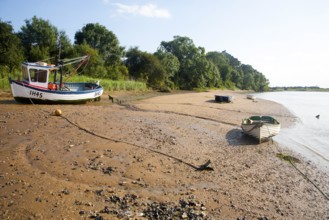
x,y
257,125
327,197
199,168
27,93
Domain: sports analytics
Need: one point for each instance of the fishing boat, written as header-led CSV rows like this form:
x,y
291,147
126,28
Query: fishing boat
x,y
43,83
223,98
261,127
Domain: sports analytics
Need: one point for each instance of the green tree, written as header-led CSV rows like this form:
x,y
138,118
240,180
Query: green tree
x,y
118,72
171,66
95,67
248,79
235,74
105,41
222,63
261,83
194,67
39,39
134,64
145,67
253,80
182,47
10,49
225,71
232,61
237,78
64,46
213,77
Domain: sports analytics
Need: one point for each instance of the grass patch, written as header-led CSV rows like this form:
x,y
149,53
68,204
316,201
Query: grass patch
x,y
288,158
4,84
112,85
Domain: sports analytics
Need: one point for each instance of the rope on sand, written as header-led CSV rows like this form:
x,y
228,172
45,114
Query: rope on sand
x,y
291,160
308,179
198,168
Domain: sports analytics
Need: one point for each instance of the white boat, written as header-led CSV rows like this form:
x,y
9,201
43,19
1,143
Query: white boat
x,y
39,84
252,97
261,127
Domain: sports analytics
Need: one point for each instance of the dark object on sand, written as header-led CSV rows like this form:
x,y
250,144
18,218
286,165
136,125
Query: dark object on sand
x,y
222,98
318,116
205,166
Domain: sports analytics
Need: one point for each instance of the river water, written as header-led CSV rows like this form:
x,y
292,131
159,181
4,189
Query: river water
x,y
310,135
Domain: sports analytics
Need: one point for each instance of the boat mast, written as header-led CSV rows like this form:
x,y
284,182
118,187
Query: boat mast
x,y
59,64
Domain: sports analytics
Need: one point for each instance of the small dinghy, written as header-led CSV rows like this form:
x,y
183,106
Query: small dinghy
x,y
261,127
252,97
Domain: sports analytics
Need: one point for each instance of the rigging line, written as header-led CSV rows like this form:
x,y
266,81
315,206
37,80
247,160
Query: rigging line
x,y
84,66
83,62
200,168
74,66
72,62
68,61
46,59
327,197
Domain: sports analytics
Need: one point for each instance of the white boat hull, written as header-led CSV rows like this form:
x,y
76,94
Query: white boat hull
x,y
25,93
261,130
252,97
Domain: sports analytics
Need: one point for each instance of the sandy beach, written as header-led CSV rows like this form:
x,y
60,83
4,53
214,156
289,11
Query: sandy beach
x,y
140,158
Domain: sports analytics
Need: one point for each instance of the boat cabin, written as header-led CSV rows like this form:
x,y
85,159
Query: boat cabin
x,y
38,74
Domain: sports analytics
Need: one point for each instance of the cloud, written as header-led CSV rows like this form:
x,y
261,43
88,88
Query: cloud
x,y
148,10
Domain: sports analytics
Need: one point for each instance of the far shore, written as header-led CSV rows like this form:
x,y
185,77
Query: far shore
x,y
152,155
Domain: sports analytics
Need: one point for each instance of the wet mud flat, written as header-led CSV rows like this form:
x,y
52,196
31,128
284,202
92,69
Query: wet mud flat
x,y
141,159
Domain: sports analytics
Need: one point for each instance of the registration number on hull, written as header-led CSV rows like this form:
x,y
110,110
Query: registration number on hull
x,y
36,94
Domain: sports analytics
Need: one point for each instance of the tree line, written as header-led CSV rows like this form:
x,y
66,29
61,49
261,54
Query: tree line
x,y
177,64
299,88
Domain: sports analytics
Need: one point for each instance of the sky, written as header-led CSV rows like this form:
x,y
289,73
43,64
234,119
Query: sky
x,y
286,40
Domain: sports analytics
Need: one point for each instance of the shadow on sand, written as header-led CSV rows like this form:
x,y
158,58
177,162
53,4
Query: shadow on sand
x,y
236,137
214,101
8,101
211,101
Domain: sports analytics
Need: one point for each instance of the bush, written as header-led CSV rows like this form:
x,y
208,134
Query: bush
x,y
5,75
113,85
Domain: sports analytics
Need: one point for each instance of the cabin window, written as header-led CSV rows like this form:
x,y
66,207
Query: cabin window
x,y
24,74
54,73
38,75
